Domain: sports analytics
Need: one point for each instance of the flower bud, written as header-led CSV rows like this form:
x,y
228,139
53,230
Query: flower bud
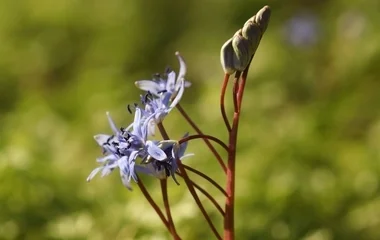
x,y
241,48
237,52
262,18
227,57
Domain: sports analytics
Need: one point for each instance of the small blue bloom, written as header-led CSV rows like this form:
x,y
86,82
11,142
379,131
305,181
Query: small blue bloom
x,y
170,84
168,166
124,147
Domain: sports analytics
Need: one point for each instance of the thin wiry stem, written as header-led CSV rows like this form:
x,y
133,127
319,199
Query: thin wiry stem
x,y
196,198
163,184
196,128
222,96
217,140
242,85
210,180
190,185
216,204
153,204
235,90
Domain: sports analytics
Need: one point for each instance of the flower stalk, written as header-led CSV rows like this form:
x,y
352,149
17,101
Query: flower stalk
x,y
135,149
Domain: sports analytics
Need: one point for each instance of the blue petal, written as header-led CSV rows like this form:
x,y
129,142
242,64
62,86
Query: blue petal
x,y
151,127
93,173
149,86
170,84
155,151
101,139
112,124
124,165
179,94
182,66
104,159
125,180
182,147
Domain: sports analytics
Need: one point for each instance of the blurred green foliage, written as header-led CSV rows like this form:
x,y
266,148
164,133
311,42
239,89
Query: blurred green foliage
x,y
309,144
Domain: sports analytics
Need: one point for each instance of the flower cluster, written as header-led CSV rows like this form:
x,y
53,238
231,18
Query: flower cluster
x,y
130,149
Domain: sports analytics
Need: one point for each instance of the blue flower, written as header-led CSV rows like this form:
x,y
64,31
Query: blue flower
x,y
157,108
123,148
169,85
168,166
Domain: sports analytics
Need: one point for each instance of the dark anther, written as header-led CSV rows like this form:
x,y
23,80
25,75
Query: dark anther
x,y
147,97
108,140
163,91
167,170
129,108
126,137
168,70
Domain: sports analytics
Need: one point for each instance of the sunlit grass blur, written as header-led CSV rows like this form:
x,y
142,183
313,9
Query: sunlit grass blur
x,y
309,144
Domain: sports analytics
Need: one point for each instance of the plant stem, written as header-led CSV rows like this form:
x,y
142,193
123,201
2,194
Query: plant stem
x,y
230,188
217,140
196,128
163,184
235,90
153,204
190,185
196,198
229,228
210,180
222,107
206,194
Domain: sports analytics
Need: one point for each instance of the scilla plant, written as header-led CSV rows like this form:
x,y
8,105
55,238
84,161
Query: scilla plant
x,y
134,149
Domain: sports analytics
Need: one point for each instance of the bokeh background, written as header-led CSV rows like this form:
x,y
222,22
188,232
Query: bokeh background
x,y
309,144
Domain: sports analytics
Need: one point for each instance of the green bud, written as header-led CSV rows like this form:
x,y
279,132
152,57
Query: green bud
x,y
262,18
241,48
227,57
237,52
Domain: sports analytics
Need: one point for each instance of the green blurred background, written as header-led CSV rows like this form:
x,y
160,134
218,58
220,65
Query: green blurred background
x,y
309,145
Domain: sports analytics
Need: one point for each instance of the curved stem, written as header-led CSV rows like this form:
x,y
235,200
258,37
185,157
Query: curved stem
x,y
210,146
190,185
217,140
196,198
164,188
210,180
235,90
242,86
222,96
153,204
229,228
219,208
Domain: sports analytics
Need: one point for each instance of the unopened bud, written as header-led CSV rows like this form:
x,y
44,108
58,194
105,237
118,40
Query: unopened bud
x,y
262,18
227,56
237,52
241,48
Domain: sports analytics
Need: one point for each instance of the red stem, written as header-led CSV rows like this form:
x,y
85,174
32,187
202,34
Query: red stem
x,y
153,204
190,185
230,188
217,140
235,90
196,198
222,107
210,180
242,85
229,228
163,184
206,194
210,146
